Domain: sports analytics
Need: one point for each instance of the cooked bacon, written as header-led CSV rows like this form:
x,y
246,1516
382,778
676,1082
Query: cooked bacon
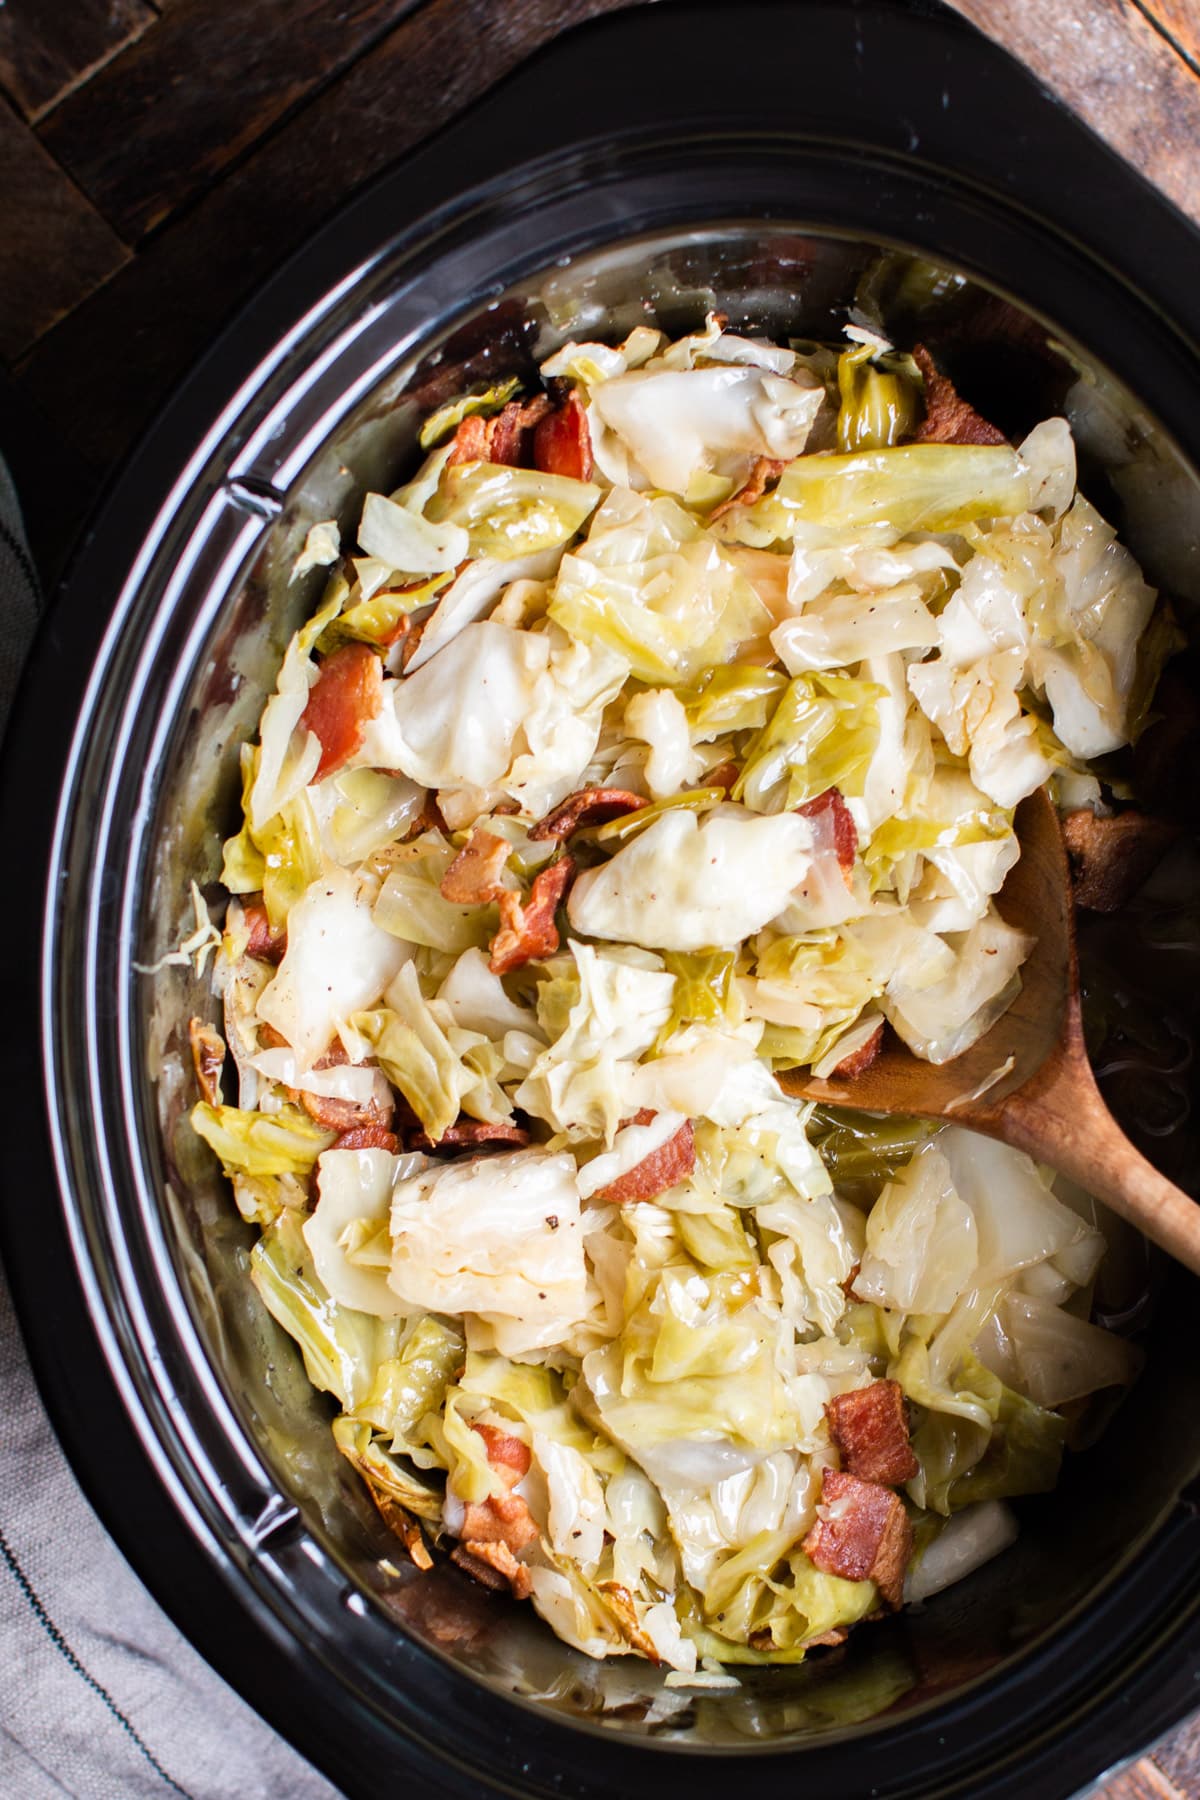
x,y
870,1428
496,1528
562,443
369,1137
949,419
494,1565
1110,858
473,878
467,1133
723,776
332,1114
508,1455
590,806
863,1057
527,932
867,1536
262,942
346,696
404,641
766,468
428,819
507,437
401,1522
664,1168
208,1058
829,813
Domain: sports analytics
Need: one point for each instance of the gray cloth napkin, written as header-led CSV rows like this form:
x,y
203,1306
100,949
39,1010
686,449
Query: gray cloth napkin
x,y
100,1696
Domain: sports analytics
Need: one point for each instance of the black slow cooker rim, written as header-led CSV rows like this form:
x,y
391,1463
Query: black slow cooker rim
x,y
38,1258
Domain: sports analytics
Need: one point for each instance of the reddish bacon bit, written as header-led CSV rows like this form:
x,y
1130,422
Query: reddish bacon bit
x,y
868,1538
494,1565
473,878
429,819
467,1133
723,776
262,942
527,932
347,694
766,469
1110,858
208,1058
496,1528
863,1057
404,641
506,438
562,443
870,1428
591,806
664,1168
369,1137
829,813
948,418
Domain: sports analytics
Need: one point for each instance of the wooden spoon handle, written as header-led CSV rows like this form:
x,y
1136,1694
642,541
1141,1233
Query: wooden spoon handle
x,y
1067,1125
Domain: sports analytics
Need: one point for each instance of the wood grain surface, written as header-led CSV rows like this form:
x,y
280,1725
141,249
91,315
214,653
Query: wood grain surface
x,y
159,157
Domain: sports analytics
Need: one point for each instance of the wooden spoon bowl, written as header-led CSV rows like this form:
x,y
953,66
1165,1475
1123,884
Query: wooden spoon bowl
x,y
1046,1101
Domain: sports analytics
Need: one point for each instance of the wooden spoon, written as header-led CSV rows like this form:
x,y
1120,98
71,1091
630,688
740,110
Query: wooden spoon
x,y
1047,1103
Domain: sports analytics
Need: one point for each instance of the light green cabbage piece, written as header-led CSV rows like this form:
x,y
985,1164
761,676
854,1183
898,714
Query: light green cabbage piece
x,y
922,1243
282,858
733,697
258,1144
921,487
388,1478
822,734
411,907
879,395
480,401
416,1055
1011,1447
508,512
653,586
772,1591
377,620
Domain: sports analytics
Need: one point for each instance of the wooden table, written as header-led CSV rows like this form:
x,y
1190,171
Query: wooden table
x,y
159,157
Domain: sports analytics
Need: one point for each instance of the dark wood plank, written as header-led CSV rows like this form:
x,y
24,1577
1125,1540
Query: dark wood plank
x,y
54,248
1178,20
162,310
1110,64
154,127
1144,1780
48,47
1178,1759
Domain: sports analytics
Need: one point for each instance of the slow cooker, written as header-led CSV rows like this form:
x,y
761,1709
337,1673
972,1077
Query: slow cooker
x,y
783,164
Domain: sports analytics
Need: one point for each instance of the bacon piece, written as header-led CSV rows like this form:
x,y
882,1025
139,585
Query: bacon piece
x,y
369,1137
1110,858
723,776
830,815
766,468
347,694
562,443
590,806
494,1565
529,931
863,1057
467,1133
664,1168
473,878
507,437
332,1114
867,1536
495,1529
870,1428
263,943
507,1453
949,419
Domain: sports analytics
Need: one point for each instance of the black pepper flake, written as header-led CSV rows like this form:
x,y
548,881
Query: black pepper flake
x,y
541,1296
552,1221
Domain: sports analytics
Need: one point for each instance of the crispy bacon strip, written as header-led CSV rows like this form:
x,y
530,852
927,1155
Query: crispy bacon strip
x,y
863,1057
527,932
949,419
265,944
830,814
494,1565
332,1114
870,1428
867,1536
496,1528
468,1133
369,1137
346,696
507,437
562,443
1110,858
590,806
473,878
766,469
208,1058
664,1168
